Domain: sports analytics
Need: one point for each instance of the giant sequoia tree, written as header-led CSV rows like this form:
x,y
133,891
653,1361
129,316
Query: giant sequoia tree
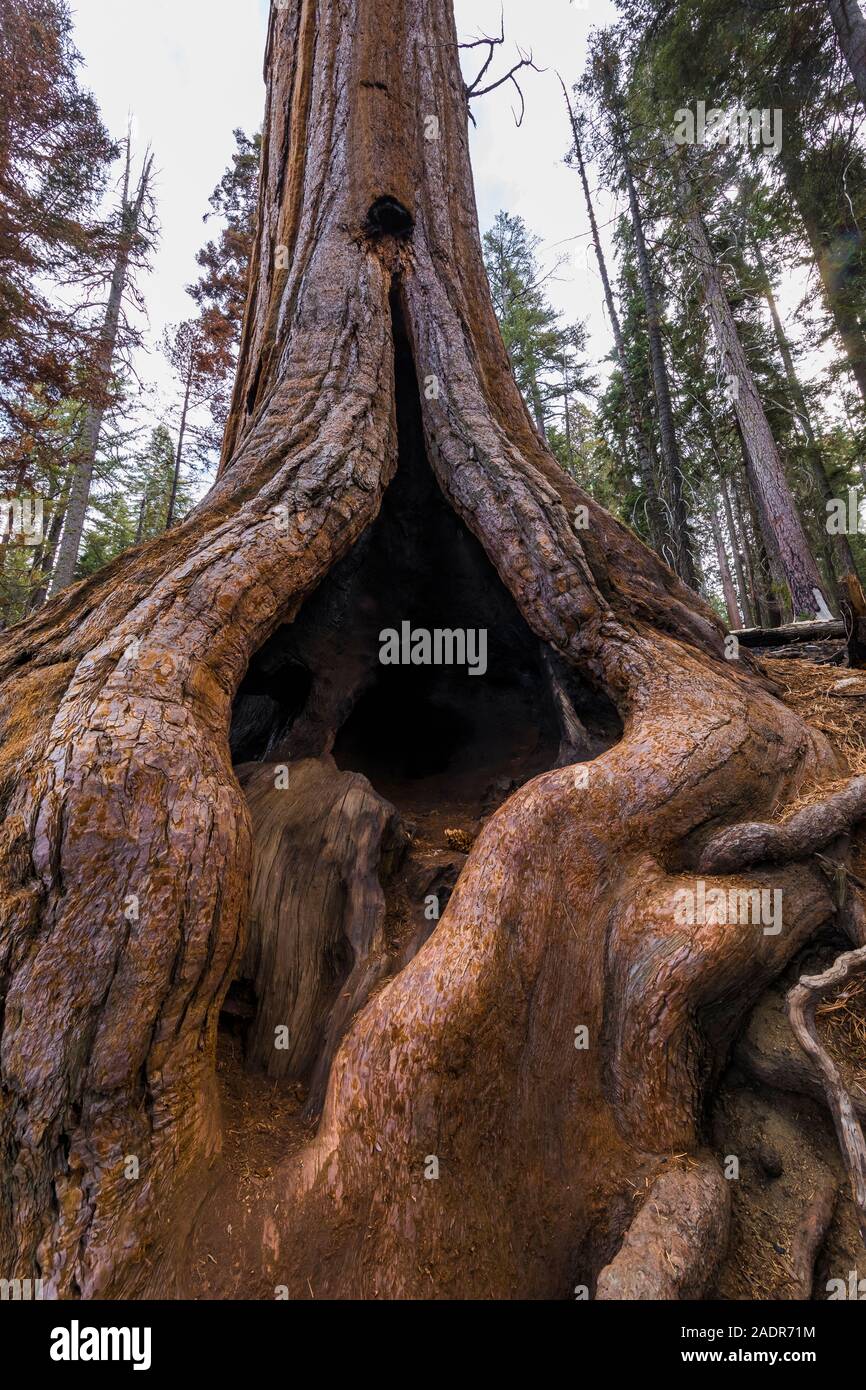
x,y
371,361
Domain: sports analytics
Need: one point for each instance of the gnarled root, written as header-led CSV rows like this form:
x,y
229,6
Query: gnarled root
x,y
809,1237
803,1001
676,1241
806,831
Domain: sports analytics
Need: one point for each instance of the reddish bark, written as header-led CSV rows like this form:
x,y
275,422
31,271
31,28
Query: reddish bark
x,y
119,793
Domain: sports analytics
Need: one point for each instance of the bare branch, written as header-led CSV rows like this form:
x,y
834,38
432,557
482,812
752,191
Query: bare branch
x,y
525,61
484,39
492,45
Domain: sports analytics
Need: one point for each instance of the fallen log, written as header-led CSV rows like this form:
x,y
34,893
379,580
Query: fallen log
x,y
789,632
834,652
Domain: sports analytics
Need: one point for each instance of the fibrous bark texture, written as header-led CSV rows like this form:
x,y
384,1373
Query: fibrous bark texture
x,y
850,29
315,945
554,1039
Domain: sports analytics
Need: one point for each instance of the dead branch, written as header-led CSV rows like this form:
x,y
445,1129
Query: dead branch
x,y
803,1001
473,89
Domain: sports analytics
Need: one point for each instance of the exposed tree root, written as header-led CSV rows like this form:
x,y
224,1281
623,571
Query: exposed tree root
x,y
809,1237
676,1241
807,830
803,1000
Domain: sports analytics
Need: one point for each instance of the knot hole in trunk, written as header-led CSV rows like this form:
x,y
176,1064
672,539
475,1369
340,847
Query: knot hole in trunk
x,y
388,217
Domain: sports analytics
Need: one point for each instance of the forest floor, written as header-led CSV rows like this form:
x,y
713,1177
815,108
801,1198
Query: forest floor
x,y
791,1177
792,1209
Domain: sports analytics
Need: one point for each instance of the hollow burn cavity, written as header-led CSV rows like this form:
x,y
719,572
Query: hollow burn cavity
x,y
388,217
421,733
443,746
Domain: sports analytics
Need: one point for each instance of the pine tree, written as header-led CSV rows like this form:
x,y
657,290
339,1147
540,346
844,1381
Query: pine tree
x,y
547,358
603,82
54,159
187,351
135,234
642,437
154,481
221,291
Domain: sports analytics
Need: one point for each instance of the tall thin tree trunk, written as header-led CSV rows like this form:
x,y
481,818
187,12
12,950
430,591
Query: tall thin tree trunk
x,y
719,481
775,591
566,404
175,478
843,556
79,492
142,512
45,556
724,568
784,528
739,550
752,548
845,318
537,407
850,28
656,519
678,529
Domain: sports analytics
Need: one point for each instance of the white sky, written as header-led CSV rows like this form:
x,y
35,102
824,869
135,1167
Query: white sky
x,y
188,72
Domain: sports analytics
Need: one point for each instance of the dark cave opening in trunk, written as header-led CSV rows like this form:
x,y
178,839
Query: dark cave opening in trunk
x,y
368,774
466,728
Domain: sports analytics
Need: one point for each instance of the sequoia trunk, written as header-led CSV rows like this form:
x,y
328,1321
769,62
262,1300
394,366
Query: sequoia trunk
x,y
126,846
